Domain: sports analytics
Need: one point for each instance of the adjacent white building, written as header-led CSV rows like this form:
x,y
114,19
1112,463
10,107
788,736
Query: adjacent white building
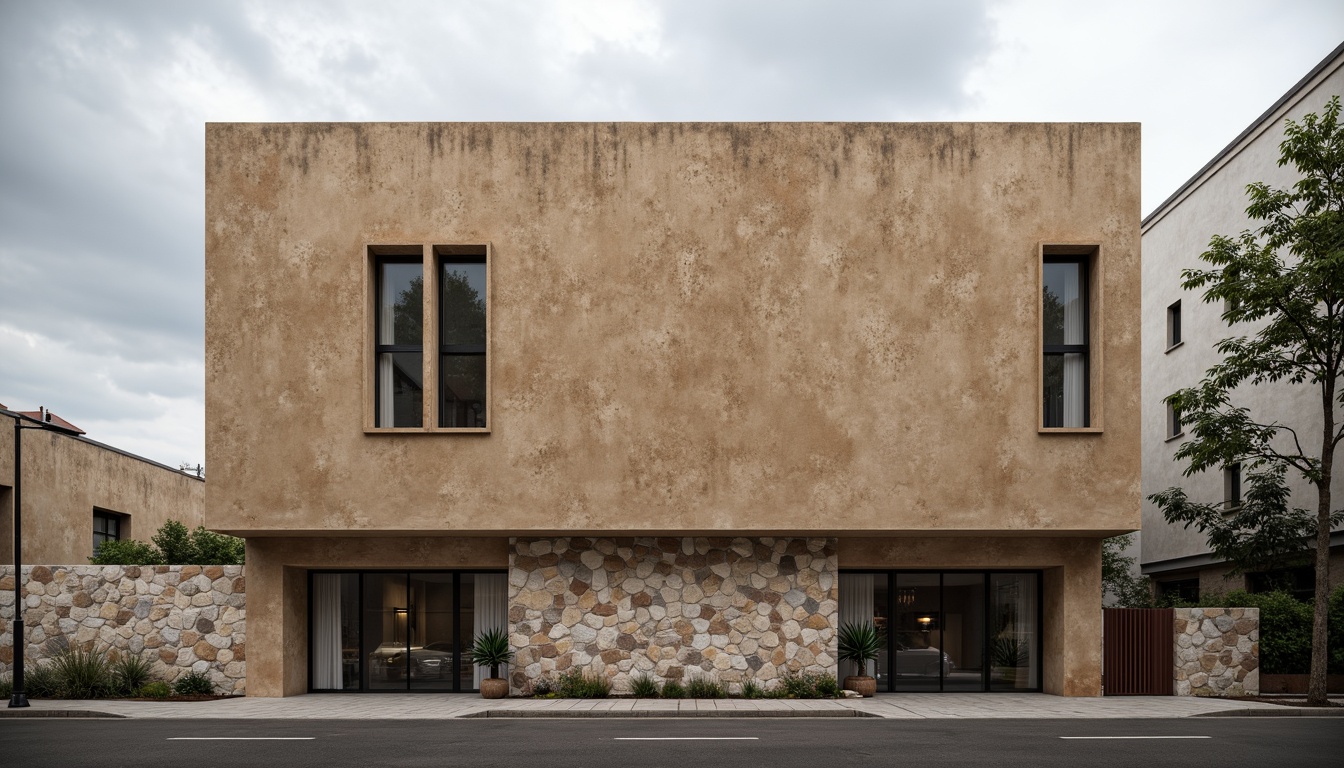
x,y
1180,331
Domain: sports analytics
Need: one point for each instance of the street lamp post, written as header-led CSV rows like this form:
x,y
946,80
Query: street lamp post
x,y
19,698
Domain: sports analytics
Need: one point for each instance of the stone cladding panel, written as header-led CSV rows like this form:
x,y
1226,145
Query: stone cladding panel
x,y
181,618
1217,651
672,608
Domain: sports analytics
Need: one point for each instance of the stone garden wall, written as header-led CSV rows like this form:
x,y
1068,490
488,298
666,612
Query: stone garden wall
x,y
180,617
1217,651
672,607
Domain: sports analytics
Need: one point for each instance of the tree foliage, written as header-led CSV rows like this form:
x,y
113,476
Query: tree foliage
x,y
173,545
1285,280
1118,577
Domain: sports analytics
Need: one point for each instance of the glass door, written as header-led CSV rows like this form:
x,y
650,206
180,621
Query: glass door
x,y
917,633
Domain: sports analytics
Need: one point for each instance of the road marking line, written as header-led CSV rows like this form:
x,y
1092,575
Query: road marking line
x,y
687,738
1136,737
241,738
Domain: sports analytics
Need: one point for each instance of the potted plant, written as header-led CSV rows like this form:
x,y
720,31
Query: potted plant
x,y
860,643
491,649
1007,655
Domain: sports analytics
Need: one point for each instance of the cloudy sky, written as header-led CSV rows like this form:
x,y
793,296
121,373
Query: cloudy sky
x,y
101,139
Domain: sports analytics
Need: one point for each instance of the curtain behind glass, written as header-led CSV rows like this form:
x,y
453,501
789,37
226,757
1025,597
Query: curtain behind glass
x,y
856,607
327,631
1075,369
491,612
1015,655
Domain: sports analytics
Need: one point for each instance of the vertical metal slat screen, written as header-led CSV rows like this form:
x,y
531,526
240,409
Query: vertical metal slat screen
x,y
1138,651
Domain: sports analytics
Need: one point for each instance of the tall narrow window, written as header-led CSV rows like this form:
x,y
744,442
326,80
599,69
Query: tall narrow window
x,y
1065,341
1174,324
462,336
1232,488
399,353
1174,426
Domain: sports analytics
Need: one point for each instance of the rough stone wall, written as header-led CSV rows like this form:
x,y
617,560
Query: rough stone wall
x,y
179,617
1217,651
735,609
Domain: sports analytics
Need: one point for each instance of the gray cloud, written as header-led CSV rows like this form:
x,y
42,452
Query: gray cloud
x,y
101,148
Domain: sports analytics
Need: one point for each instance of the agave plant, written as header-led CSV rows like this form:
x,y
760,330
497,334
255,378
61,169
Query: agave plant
x,y
491,649
1008,652
860,643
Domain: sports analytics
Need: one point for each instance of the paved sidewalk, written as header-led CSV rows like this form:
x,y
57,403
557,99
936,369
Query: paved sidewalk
x,y
887,706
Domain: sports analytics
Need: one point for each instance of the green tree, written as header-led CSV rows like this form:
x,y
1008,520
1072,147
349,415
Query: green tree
x,y
1287,278
1117,575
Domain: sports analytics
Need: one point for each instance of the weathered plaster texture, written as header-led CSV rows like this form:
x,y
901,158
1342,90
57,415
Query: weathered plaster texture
x,y
1217,651
65,477
672,608
179,617
763,328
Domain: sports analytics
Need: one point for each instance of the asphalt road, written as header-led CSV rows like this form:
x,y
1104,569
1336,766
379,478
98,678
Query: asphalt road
x,y
683,743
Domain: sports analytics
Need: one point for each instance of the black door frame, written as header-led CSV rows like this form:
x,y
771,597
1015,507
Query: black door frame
x,y
986,573
461,634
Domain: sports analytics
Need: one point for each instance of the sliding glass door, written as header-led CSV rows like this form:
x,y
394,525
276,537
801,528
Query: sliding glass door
x,y
399,630
950,630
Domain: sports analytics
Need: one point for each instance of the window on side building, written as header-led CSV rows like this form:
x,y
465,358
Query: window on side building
x,y
1174,325
1232,488
1064,321
107,526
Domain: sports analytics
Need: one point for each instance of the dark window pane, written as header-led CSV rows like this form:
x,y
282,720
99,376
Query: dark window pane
x,y
1062,304
463,378
462,304
1064,381
964,631
917,634
401,304
386,631
400,390
1015,647
432,631
335,625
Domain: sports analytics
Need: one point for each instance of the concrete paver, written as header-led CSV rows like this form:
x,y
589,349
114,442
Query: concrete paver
x,y
886,706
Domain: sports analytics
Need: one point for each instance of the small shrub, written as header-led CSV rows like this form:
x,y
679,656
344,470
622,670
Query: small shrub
x,y
704,687
130,673
827,687
6,687
155,690
81,674
39,682
673,689
807,685
752,690
542,687
644,687
193,683
576,684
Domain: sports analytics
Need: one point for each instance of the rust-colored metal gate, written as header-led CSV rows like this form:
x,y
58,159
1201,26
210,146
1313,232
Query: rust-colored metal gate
x,y
1137,653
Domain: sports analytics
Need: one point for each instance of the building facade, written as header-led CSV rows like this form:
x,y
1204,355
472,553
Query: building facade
x,y
672,399
1179,334
79,492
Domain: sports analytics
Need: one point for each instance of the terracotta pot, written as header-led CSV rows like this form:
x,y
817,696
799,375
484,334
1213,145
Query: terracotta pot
x,y
494,688
861,684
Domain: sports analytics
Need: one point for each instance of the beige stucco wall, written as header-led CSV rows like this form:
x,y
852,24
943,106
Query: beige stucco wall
x,y
64,478
805,328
